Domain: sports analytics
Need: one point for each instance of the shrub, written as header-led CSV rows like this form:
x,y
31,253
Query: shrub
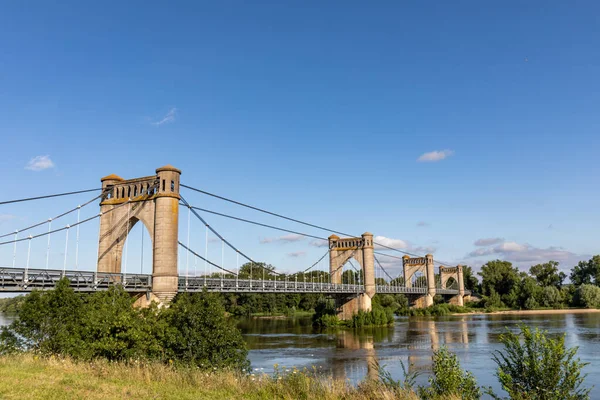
x,y
198,333
588,296
535,367
531,303
192,331
449,379
493,301
551,297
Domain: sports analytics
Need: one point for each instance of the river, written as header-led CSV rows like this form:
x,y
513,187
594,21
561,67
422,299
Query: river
x,y
347,354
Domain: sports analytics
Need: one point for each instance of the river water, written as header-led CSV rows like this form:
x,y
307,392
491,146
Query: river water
x,y
348,354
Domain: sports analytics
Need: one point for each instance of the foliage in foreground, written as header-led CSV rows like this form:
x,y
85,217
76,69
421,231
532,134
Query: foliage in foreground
x,y
26,376
536,367
449,379
104,325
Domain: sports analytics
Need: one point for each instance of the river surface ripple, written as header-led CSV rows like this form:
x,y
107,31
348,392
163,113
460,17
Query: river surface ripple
x,y
347,354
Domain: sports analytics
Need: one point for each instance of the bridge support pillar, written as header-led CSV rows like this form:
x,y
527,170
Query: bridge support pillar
x,y
166,229
362,302
153,200
361,249
430,280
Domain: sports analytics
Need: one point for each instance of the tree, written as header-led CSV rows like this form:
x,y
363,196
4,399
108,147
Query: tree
x,y
551,297
470,280
50,322
547,274
498,276
527,292
535,367
256,271
586,272
198,333
399,281
588,296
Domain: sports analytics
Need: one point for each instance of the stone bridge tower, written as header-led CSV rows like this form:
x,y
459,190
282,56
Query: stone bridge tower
x,y
425,266
361,249
455,273
153,200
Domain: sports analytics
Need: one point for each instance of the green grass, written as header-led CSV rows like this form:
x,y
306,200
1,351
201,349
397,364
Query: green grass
x,y
31,377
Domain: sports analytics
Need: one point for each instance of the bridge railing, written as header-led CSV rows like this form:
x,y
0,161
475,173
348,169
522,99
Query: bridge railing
x,y
198,284
21,279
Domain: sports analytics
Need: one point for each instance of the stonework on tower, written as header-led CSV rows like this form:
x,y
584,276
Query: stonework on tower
x,y
153,200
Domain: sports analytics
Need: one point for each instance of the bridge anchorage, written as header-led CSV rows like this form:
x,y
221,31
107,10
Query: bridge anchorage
x,y
155,200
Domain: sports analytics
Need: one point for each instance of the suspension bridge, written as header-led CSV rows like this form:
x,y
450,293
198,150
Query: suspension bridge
x,y
155,201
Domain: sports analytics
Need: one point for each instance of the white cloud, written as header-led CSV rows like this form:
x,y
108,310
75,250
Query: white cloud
x,y
319,243
525,255
283,239
434,156
40,163
488,241
395,243
170,117
297,254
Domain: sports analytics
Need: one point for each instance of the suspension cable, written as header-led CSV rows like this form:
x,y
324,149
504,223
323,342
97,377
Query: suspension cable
x,y
57,217
186,204
256,223
47,196
204,259
306,270
298,221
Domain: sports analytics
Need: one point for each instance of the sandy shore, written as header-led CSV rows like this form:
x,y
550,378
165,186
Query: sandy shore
x,y
538,312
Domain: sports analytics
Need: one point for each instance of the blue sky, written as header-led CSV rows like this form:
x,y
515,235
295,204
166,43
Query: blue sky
x,y
319,111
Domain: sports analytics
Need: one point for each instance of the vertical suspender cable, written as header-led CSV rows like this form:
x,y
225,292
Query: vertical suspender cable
x,y
28,254
142,253
222,260
77,239
195,265
48,248
15,249
187,253
205,254
66,248
237,262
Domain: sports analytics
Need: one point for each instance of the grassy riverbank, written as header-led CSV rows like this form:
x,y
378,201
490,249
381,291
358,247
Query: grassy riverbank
x,y
31,377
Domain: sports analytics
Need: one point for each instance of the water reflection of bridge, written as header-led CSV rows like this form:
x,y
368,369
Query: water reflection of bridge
x,y
415,346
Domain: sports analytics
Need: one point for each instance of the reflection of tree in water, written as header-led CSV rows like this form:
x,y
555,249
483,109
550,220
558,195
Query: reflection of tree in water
x,y
427,335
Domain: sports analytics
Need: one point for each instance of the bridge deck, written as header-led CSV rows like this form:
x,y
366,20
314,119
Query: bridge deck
x,y
18,280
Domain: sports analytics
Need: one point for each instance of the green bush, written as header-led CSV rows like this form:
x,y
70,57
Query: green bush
x,y
493,301
535,367
198,333
588,296
192,331
449,379
551,297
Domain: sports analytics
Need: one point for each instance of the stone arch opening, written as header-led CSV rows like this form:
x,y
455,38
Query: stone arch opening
x,y
451,283
137,248
351,272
